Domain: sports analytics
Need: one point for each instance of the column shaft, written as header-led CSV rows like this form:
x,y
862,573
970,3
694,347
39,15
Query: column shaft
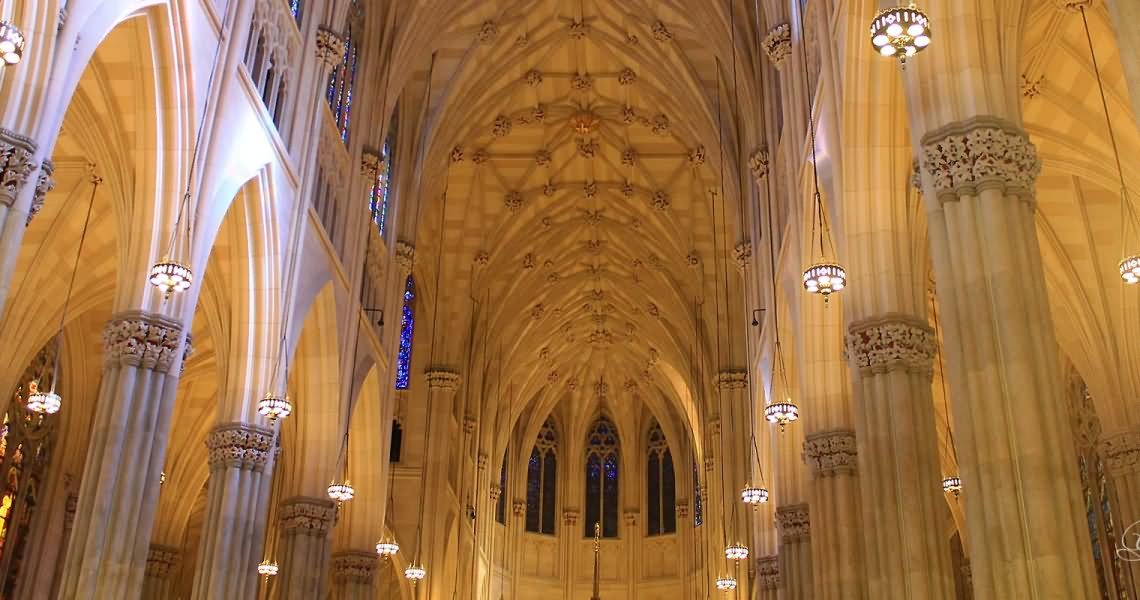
x,y
795,566
305,527
161,564
768,578
836,555
1122,459
353,572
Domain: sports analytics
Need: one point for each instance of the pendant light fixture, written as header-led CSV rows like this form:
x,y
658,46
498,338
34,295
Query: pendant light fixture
x,y
901,32
824,275
11,43
1130,262
951,484
48,402
267,569
343,492
726,583
388,547
274,406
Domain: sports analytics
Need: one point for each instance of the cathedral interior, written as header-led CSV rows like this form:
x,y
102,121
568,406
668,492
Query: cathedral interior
x,y
570,299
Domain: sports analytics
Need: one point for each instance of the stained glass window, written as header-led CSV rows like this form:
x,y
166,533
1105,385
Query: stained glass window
x,y
541,482
698,505
295,7
407,328
380,195
602,453
396,447
343,76
661,484
501,507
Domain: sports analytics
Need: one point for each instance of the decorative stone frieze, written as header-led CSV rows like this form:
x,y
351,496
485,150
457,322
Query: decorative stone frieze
x,y
239,446
307,516
44,184
778,44
354,566
831,453
968,157
405,257
768,572
1121,453
731,379
330,46
161,560
16,164
794,522
759,164
443,379
891,343
742,254
142,340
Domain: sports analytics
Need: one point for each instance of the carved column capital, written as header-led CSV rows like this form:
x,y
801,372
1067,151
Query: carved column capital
x,y
443,379
742,254
142,340
369,165
732,379
354,566
570,517
481,461
239,446
330,46
778,44
161,560
968,157
682,510
405,258
831,453
44,184
307,516
794,522
518,507
891,343
496,492
631,516
768,572
16,164
759,163
1121,453
469,422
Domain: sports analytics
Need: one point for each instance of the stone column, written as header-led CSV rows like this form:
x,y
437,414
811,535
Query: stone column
x,y
443,383
837,564
633,540
109,544
1121,455
233,531
161,564
767,577
305,526
1125,13
795,568
353,572
1025,526
17,163
906,552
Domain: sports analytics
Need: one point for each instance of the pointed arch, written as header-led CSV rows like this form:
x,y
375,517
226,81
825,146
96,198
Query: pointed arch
x,y
603,455
661,484
542,481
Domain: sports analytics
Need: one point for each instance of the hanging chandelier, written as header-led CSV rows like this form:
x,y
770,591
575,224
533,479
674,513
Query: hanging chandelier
x,y
387,548
1130,269
11,43
782,413
341,492
952,485
753,496
901,32
825,278
415,573
267,568
170,276
736,552
274,407
725,584
162,478
44,402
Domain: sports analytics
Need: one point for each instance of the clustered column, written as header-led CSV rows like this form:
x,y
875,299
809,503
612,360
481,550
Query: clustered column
x,y
1121,453
305,526
161,563
353,573
768,577
794,524
234,525
836,554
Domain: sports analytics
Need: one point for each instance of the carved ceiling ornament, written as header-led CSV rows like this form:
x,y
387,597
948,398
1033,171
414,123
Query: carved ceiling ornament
x,y
894,342
590,189
627,76
1031,88
15,164
697,156
627,189
830,453
966,158
528,261
582,82
142,340
307,516
513,200
542,158
661,33
587,148
533,78
661,200
456,155
628,115
693,259
601,389
585,122
794,522
502,126
482,258
660,124
778,44
487,31
239,446
629,157
480,157
522,41
742,254
549,189
578,29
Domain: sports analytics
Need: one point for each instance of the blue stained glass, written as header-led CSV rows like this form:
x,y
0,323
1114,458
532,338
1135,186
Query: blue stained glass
x,y
382,188
407,326
341,81
295,9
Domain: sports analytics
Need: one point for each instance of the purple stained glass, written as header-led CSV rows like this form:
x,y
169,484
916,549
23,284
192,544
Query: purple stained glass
x,y
407,327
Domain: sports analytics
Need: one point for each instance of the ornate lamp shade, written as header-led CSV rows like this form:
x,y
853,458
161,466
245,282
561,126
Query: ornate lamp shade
x,y
725,584
341,492
736,552
753,496
902,32
274,407
1130,269
825,278
44,403
171,276
11,43
387,548
782,413
162,478
415,573
952,485
267,568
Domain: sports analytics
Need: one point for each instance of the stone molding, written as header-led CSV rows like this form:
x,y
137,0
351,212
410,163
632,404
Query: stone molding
x,y
307,516
732,379
1121,453
354,566
890,343
439,378
239,446
16,164
142,340
778,44
330,46
831,453
161,560
44,184
768,572
968,157
794,522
